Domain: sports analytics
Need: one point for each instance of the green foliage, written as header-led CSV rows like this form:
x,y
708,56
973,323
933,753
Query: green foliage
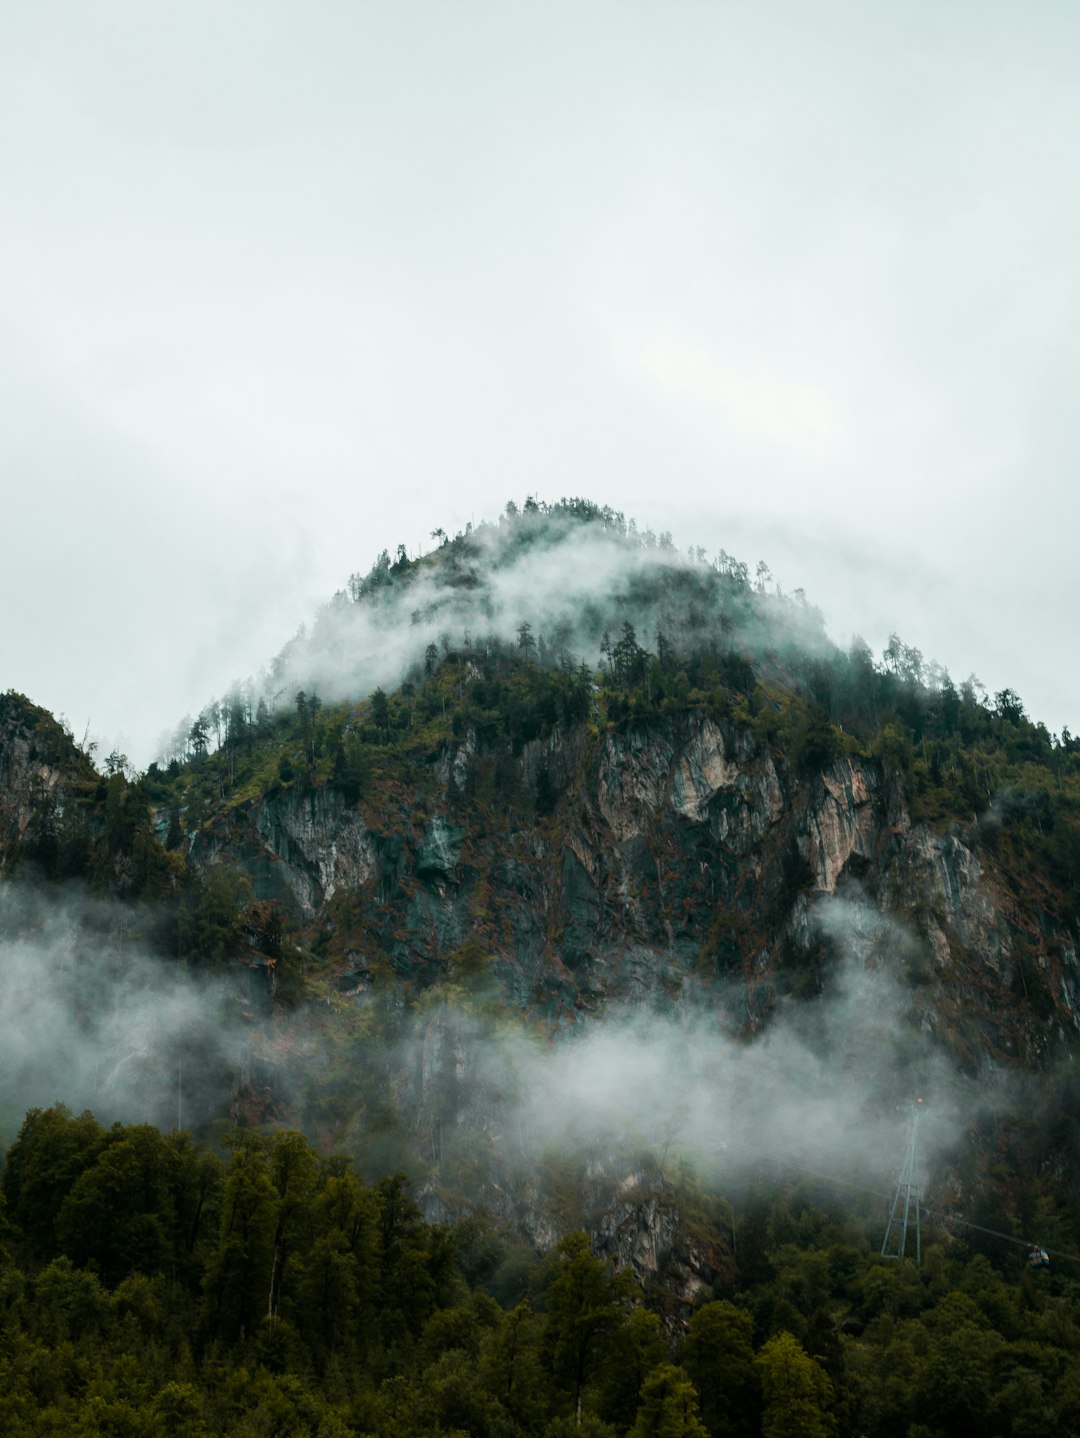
x,y
669,1406
50,1154
640,1347
586,1305
210,913
795,1392
277,1293
119,1215
814,743
719,1357
511,1367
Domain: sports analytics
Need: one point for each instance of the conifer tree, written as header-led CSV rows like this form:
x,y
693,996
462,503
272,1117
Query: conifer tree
x,y
669,1407
586,1307
796,1394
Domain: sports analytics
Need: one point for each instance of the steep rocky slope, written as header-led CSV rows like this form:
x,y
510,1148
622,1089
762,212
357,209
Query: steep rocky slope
x,y
681,852
43,778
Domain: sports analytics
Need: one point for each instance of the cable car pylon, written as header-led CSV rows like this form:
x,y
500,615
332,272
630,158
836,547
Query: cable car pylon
x,y
905,1213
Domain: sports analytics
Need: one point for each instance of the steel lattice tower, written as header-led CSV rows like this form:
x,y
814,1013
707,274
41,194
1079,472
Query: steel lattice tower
x,y
905,1209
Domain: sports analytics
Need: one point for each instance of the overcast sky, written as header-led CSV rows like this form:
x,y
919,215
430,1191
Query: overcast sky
x,y
283,284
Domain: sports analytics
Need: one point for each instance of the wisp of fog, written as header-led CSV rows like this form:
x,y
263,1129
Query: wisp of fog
x,y
569,579
827,1086
92,1021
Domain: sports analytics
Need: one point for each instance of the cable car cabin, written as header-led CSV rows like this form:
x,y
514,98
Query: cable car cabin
x,y
1038,1258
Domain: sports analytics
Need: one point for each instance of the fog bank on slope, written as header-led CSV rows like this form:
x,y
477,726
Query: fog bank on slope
x,y
570,571
90,1019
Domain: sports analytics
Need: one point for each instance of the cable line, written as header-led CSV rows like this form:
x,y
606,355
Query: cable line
x,y
947,1220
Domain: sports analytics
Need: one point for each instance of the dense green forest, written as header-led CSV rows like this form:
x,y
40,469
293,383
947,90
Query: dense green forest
x,y
151,1285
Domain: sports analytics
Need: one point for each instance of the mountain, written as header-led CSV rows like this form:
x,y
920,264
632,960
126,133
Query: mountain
x,y
621,816
510,1013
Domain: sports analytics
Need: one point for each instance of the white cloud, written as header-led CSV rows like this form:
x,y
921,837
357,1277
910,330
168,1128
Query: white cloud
x,y
758,404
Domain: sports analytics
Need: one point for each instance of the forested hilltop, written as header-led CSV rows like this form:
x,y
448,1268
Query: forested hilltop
x,y
555,882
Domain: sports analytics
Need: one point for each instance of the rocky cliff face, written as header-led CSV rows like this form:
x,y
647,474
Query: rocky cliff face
x,y
41,773
682,854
